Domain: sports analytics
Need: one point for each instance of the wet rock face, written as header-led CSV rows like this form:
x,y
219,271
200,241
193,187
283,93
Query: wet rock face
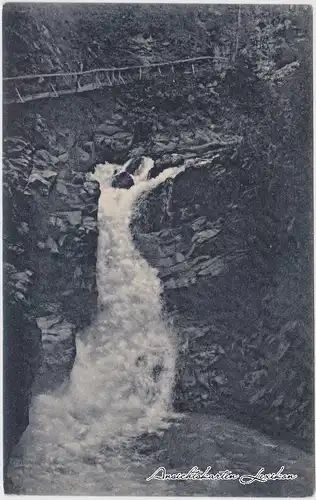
x,y
242,348
113,140
133,164
21,335
123,180
50,207
21,347
58,341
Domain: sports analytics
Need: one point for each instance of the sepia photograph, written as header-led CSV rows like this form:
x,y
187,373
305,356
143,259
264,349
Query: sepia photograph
x,y
157,190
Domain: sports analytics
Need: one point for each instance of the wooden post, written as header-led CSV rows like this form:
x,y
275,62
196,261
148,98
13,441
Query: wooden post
x,y
54,90
113,77
109,79
237,34
17,91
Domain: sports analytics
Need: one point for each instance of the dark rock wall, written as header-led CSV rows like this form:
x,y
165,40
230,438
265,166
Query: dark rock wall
x,y
239,296
21,335
50,277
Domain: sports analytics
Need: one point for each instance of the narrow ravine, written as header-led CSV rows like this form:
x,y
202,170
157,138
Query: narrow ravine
x,y
122,380
112,425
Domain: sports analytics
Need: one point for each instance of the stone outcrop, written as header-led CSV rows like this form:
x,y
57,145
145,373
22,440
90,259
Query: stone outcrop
x,y
122,180
21,347
133,164
58,351
113,140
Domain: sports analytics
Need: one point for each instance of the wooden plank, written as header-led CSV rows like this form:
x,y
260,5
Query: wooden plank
x,y
93,86
126,68
34,97
54,90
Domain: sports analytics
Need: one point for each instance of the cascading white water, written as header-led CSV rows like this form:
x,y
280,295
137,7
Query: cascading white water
x,y
122,379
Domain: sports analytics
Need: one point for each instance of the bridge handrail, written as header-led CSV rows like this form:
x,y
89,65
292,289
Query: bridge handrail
x,y
125,68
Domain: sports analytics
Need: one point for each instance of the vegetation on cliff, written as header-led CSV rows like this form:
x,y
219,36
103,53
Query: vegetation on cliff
x,y
54,37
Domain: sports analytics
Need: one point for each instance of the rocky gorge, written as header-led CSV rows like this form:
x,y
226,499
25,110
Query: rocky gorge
x,y
230,237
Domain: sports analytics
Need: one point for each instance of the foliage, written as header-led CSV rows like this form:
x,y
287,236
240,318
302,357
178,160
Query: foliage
x,y
99,34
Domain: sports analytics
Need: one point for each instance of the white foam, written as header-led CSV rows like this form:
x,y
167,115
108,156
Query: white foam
x,y
122,379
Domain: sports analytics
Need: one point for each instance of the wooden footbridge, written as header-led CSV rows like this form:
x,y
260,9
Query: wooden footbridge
x,y
25,88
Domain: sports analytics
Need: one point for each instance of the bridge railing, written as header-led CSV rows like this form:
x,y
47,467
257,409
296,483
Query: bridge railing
x,y
20,89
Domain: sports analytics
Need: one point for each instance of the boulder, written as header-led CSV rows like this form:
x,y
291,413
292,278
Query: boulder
x,y
86,159
202,236
49,175
45,138
52,245
161,148
68,196
66,139
73,217
212,267
92,187
123,180
121,141
79,178
42,181
108,129
90,224
113,148
61,188
58,351
63,159
138,151
43,159
156,170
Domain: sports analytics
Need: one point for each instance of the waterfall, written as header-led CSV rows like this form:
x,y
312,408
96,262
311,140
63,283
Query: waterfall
x,y
122,379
